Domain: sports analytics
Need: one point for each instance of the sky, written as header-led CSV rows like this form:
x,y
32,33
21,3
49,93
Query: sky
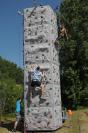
x,y
11,27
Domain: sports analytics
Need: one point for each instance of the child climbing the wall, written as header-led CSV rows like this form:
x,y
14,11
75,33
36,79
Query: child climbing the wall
x,y
63,32
36,81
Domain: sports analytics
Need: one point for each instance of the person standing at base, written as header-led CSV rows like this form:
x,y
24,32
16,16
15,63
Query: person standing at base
x,y
18,116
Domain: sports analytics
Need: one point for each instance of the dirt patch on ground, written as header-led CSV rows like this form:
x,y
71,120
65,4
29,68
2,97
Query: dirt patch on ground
x,y
4,130
86,113
83,122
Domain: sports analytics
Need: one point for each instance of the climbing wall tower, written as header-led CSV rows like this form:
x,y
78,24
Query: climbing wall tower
x,y
40,33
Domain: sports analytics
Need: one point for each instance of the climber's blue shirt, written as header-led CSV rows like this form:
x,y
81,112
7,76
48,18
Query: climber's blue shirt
x,y
18,106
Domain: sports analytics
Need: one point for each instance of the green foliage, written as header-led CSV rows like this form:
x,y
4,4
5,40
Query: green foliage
x,y
11,85
8,69
74,51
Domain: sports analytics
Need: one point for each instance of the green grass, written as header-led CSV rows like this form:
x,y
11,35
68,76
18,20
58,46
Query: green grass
x,y
75,123
78,122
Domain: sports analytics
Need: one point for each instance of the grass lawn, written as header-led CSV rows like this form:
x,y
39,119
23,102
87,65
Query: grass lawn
x,y
78,123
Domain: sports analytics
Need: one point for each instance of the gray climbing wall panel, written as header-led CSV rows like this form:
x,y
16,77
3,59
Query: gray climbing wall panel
x,y
40,33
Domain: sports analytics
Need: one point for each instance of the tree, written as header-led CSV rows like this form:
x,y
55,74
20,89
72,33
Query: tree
x,y
9,69
11,86
2,98
74,51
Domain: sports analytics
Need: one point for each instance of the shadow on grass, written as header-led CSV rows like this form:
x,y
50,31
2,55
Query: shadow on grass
x,y
10,124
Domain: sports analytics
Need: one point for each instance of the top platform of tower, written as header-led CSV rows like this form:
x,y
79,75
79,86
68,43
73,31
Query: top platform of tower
x,y
40,8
